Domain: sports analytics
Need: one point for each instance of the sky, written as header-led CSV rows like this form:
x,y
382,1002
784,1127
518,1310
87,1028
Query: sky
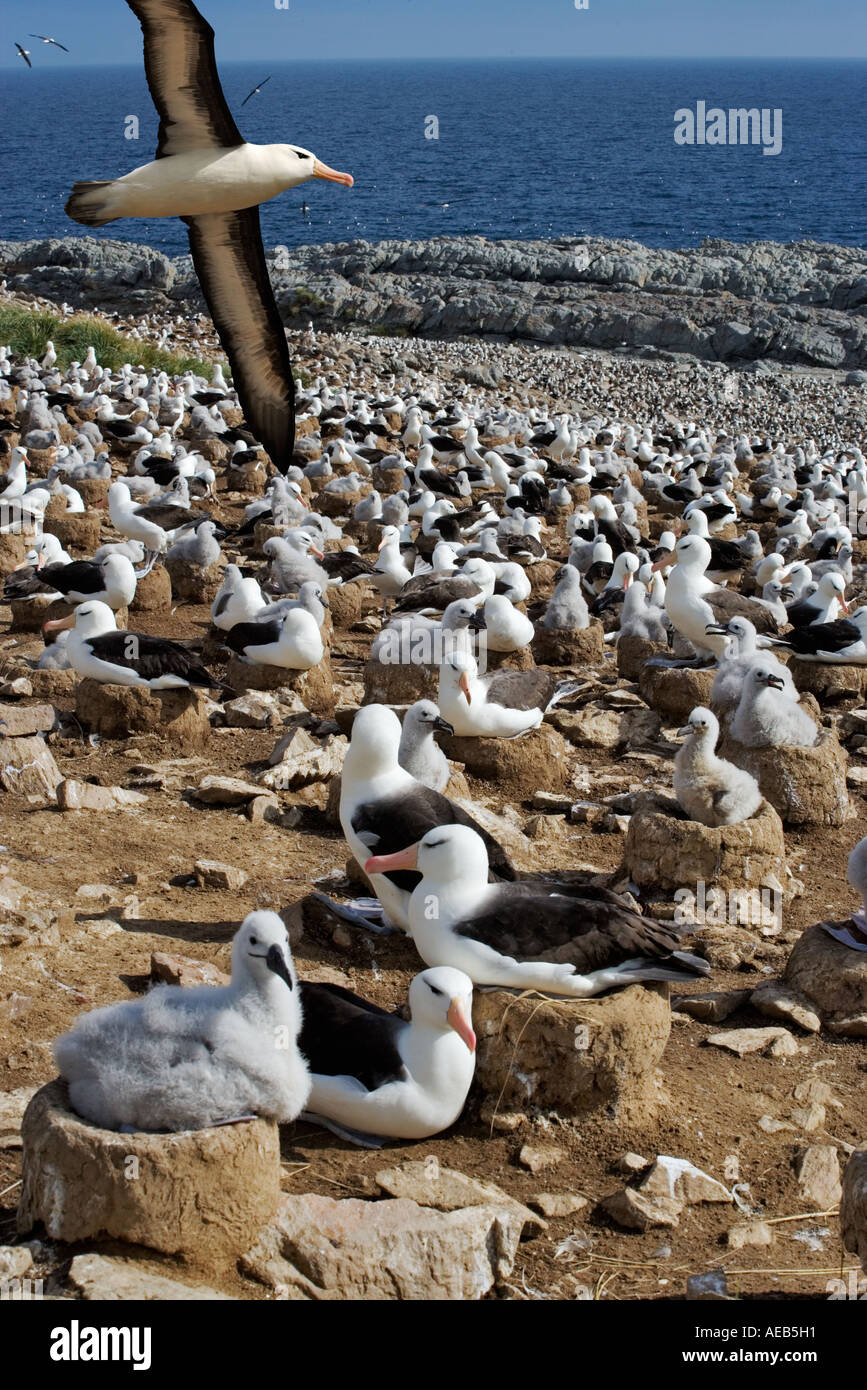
x,y
106,31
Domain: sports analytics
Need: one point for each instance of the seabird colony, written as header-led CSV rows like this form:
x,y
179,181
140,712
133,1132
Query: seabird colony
x,y
449,515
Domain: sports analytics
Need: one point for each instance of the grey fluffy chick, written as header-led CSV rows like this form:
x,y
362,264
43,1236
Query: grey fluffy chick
x,y
292,564
201,548
188,1058
708,788
567,608
742,653
766,717
311,596
641,618
419,753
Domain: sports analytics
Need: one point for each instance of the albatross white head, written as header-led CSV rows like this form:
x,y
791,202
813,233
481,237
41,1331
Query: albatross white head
x,y
448,854
261,954
442,999
298,165
91,619
373,748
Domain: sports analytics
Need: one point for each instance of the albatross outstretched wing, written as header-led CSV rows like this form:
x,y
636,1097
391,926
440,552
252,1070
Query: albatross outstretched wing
x,y
182,76
230,263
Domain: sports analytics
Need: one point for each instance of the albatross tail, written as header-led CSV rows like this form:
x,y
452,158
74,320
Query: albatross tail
x,y
89,203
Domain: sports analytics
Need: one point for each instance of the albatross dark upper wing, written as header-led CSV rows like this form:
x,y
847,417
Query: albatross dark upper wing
x,y
345,1035
150,656
230,263
532,921
231,267
526,690
182,76
729,603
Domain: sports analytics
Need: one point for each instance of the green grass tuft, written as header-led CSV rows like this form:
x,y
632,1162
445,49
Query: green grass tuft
x,y
28,331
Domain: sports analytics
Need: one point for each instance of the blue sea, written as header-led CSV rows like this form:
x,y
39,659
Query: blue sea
x,y
525,149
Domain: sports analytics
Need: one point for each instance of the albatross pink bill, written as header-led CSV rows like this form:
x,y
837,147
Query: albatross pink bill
x,y
58,624
385,863
461,1024
322,171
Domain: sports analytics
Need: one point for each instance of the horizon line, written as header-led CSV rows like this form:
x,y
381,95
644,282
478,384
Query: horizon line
x,y
12,66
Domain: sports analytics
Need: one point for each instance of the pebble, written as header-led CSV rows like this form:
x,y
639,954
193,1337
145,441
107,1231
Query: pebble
x,y
539,1160
85,796
710,1287
714,1007
225,791
744,1040
185,971
749,1233
777,1000
210,873
557,1204
817,1169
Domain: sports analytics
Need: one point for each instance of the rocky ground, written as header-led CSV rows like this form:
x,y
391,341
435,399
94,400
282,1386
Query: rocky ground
x,y
104,890
800,304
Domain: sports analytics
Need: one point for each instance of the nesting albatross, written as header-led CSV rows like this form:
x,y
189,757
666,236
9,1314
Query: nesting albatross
x,y
209,176
376,1076
501,934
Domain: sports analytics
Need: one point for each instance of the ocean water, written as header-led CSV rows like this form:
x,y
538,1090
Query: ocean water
x,y
526,149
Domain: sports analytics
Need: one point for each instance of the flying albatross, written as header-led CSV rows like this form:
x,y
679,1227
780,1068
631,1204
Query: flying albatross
x,y
209,176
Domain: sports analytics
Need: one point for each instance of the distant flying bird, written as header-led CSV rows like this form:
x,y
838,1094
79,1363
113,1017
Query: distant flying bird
x,y
25,54
256,89
206,173
45,39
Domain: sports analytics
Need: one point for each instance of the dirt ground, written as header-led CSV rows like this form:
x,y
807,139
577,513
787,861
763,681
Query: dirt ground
x,y
716,1099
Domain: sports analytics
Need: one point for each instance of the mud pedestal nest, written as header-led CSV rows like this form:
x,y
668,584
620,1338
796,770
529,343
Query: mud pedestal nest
x,y
78,531
853,1207
153,592
399,682
315,687
537,761
179,716
674,692
829,682
553,646
193,584
807,786
520,659
575,1056
834,977
666,851
204,1194
633,653
344,601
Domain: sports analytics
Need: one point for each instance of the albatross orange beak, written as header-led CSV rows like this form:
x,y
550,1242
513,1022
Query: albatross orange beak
x,y
57,624
464,684
461,1024
322,171
385,863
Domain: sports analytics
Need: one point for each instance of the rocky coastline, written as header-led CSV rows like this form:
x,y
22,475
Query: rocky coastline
x,y
802,305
